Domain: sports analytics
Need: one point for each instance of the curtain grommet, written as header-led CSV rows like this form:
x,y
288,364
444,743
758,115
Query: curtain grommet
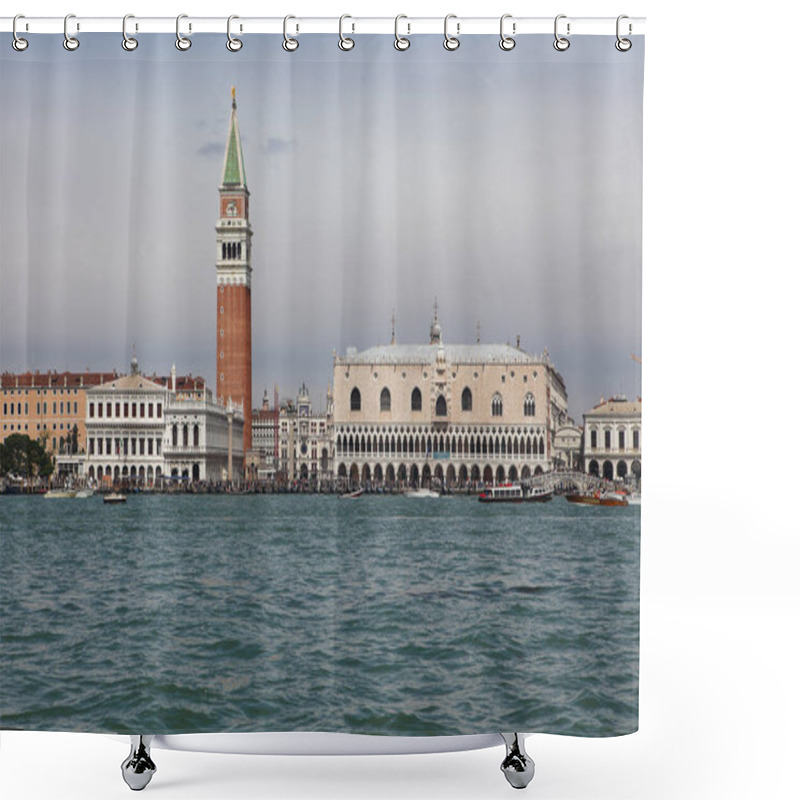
x,y
233,44
181,41
561,43
345,42
507,42
129,43
451,43
18,43
289,43
70,43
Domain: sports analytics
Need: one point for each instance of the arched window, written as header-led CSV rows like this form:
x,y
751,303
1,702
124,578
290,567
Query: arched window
x,y
355,400
416,400
386,400
466,400
441,406
529,406
497,405
196,436
174,435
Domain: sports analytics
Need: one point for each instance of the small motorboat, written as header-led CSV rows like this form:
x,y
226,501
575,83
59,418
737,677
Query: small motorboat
x,y
422,493
60,494
351,495
115,497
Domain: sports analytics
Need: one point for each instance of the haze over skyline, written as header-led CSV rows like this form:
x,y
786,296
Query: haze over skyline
x,y
378,181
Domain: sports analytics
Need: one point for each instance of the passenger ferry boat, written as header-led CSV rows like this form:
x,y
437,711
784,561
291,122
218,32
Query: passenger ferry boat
x,y
514,493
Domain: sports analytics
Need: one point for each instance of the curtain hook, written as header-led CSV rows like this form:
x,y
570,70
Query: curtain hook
x,y
345,43
181,42
561,43
129,43
623,45
289,44
233,44
18,43
507,42
451,42
400,42
70,42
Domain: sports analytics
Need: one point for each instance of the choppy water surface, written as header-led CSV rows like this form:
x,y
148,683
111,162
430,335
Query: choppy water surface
x,y
382,615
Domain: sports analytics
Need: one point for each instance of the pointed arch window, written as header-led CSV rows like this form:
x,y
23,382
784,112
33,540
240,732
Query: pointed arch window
x,y
466,399
529,405
355,400
441,406
416,400
497,405
386,400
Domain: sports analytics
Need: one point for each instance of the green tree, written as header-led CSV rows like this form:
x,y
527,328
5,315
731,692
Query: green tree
x,y
24,456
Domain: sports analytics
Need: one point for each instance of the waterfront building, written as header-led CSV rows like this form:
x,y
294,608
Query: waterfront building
x,y
263,459
305,444
567,446
49,407
612,446
234,258
454,414
142,429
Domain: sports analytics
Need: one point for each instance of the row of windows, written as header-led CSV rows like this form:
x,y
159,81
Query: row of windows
x,y
39,426
528,404
41,408
116,446
620,440
24,392
125,410
430,446
185,435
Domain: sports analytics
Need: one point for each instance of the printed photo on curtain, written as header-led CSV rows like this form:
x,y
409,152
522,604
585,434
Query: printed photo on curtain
x,y
321,385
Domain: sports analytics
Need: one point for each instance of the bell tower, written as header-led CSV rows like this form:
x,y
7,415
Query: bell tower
x,y
234,342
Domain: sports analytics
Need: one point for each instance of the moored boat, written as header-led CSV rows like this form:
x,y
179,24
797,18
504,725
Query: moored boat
x,y
60,494
115,497
351,495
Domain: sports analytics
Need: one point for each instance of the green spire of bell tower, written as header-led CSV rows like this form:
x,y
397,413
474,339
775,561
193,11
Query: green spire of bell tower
x,y
233,173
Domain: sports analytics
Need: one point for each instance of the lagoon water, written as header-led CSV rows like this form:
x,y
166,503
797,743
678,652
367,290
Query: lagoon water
x,y
386,615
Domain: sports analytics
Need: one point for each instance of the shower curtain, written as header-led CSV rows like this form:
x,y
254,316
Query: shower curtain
x,y
319,407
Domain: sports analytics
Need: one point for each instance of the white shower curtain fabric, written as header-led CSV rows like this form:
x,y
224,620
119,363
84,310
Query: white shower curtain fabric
x,y
348,336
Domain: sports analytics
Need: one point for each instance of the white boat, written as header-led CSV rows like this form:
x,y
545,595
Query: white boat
x,y
351,495
422,493
115,497
82,493
60,494
634,499
514,493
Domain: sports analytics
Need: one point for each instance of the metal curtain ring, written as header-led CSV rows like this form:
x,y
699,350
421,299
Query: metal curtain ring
x,y
233,44
70,42
451,42
400,42
623,45
507,42
181,42
561,43
289,44
129,43
345,43
18,43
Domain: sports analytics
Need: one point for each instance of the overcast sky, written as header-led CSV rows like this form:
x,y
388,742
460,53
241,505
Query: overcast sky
x,y
506,185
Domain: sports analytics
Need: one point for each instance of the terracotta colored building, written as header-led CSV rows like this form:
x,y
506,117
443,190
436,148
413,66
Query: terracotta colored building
x,y
234,370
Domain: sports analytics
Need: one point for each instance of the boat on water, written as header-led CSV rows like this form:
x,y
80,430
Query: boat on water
x,y
83,493
60,494
634,499
115,497
598,499
351,495
422,492
514,493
